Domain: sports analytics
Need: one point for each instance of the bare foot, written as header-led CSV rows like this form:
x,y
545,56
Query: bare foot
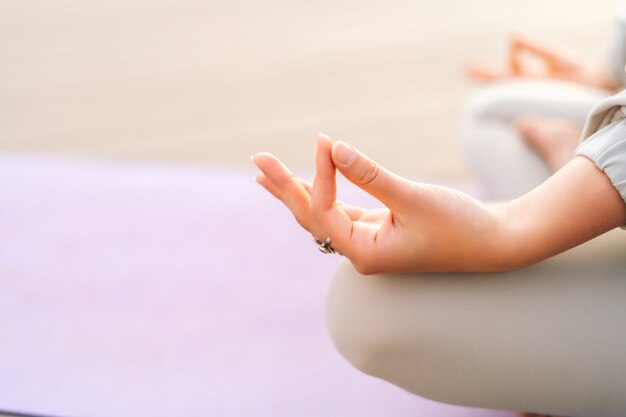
x,y
555,139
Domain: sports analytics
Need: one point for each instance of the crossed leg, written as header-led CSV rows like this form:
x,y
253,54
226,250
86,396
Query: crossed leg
x,y
507,155
550,338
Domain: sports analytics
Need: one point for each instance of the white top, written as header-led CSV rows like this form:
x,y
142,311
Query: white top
x,y
604,139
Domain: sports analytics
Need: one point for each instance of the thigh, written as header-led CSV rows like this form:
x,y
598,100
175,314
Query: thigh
x,y
549,338
493,149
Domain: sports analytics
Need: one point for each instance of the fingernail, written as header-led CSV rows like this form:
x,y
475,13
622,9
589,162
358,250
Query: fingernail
x,y
346,154
321,138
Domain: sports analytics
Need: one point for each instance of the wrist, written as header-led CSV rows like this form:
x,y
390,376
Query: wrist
x,y
500,244
508,238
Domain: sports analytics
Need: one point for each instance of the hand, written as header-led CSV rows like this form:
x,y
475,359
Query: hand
x,y
550,61
421,228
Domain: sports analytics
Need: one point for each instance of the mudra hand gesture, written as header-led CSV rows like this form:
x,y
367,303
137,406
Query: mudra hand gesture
x,y
540,59
422,227
430,228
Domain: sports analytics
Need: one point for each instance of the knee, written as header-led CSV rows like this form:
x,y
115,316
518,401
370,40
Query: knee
x,y
403,328
488,114
505,101
357,327
491,103
384,326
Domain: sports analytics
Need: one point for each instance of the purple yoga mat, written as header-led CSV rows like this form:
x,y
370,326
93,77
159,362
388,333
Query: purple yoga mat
x,y
150,290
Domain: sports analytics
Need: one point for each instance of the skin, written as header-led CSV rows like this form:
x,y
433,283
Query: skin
x,y
429,228
426,228
554,139
534,58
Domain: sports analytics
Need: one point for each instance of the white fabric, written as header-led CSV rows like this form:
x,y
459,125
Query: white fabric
x,y
604,140
501,160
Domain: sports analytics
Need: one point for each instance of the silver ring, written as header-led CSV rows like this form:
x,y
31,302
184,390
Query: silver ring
x,y
324,247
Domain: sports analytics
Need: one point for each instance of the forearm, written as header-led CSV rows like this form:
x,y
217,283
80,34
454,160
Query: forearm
x,y
575,205
429,228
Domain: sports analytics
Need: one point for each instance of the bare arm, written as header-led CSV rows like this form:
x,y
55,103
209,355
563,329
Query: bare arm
x,y
573,206
430,228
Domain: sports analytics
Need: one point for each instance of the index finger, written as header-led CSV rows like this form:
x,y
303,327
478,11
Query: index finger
x,y
330,217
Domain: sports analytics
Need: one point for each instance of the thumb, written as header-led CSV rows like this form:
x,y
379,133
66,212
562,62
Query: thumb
x,y
385,186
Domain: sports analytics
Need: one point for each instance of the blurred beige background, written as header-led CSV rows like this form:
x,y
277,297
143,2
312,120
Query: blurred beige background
x,y
211,82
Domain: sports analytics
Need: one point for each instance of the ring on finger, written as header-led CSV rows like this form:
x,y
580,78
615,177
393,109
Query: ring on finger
x,y
325,246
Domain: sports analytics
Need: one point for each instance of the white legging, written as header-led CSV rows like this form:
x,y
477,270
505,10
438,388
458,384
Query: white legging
x,y
504,164
549,338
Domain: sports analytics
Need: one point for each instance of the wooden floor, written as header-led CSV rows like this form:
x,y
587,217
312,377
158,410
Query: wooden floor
x,y
213,81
